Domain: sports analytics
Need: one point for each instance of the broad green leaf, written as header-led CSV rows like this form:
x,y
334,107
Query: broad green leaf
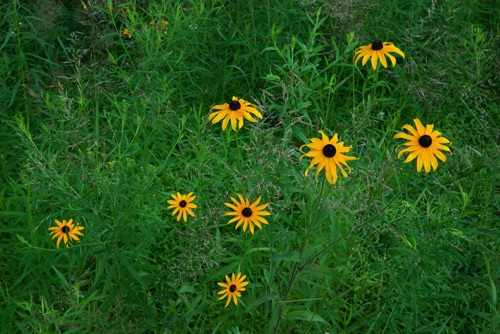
x,y
305,315
288,256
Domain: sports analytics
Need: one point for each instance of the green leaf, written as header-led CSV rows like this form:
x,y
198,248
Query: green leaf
x,y
305,315
288,256
260,249
318,270
186,288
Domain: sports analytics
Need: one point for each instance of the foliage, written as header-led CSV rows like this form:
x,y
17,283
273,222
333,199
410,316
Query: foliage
x,y
103,127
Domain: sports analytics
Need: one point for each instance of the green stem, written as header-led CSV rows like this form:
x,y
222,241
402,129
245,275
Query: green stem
x,y
238,151
353,90
297,267
374,91
320,200
357,226
273,257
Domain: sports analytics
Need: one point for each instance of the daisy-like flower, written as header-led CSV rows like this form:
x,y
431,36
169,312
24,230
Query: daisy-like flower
x,y
328,154
377,51
182,205
234,111
66,231
247,214
423,144
232,288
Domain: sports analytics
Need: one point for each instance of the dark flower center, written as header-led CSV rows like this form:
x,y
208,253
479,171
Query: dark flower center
x,y
425,141
329,150
247,212
234,105
232,288
182,204
65,229
377,45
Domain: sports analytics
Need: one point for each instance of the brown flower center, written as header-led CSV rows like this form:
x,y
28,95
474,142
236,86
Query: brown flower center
x,y
329,151
232,288
65,229
377,45
425,141
182,204
234,105
247,212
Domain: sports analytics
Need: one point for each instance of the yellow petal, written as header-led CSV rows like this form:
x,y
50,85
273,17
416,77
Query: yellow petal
x,y
374,60
381,57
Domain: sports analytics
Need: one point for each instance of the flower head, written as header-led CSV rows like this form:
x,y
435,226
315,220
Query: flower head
x,y
66,231
328,154
423,144
232,288
182,205
234,111
377,51
247,214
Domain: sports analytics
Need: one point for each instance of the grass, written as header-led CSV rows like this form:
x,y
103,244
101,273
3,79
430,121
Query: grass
x,y
103,128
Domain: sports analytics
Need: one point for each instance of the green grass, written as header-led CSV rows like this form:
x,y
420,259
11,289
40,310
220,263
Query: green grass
x,y
103,129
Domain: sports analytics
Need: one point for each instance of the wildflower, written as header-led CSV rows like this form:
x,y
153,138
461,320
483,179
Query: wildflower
x,y
328,154
247,214
160,24
377,51
66,231
232,288
423,144
182,205
234,111
127,33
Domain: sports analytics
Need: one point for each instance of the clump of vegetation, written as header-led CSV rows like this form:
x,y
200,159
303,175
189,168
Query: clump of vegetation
x,y
249,167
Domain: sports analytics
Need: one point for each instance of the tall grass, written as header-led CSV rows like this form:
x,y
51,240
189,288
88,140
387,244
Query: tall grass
x,y
103,128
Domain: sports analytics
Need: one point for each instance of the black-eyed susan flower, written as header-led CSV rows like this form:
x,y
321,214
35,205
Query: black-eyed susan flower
x,y
247,214
423,144
377,51
232,288
182,205
66,231
234,112
328,154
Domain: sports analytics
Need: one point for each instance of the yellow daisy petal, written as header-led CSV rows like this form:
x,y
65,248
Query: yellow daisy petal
x,y
377,51
424,144
328,154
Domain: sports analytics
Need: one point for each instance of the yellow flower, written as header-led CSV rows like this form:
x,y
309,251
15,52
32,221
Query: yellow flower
x,y
160,24
127,33
234,111
423,144
247,214
377,51
328,154
232,288
66,231
182,205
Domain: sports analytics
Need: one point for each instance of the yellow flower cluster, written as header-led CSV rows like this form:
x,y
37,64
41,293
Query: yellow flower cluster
x,y
329,154
159,26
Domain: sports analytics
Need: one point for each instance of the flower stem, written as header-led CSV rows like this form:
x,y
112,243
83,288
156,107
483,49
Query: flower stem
x,y
357,226
297,267
374,94
238,151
